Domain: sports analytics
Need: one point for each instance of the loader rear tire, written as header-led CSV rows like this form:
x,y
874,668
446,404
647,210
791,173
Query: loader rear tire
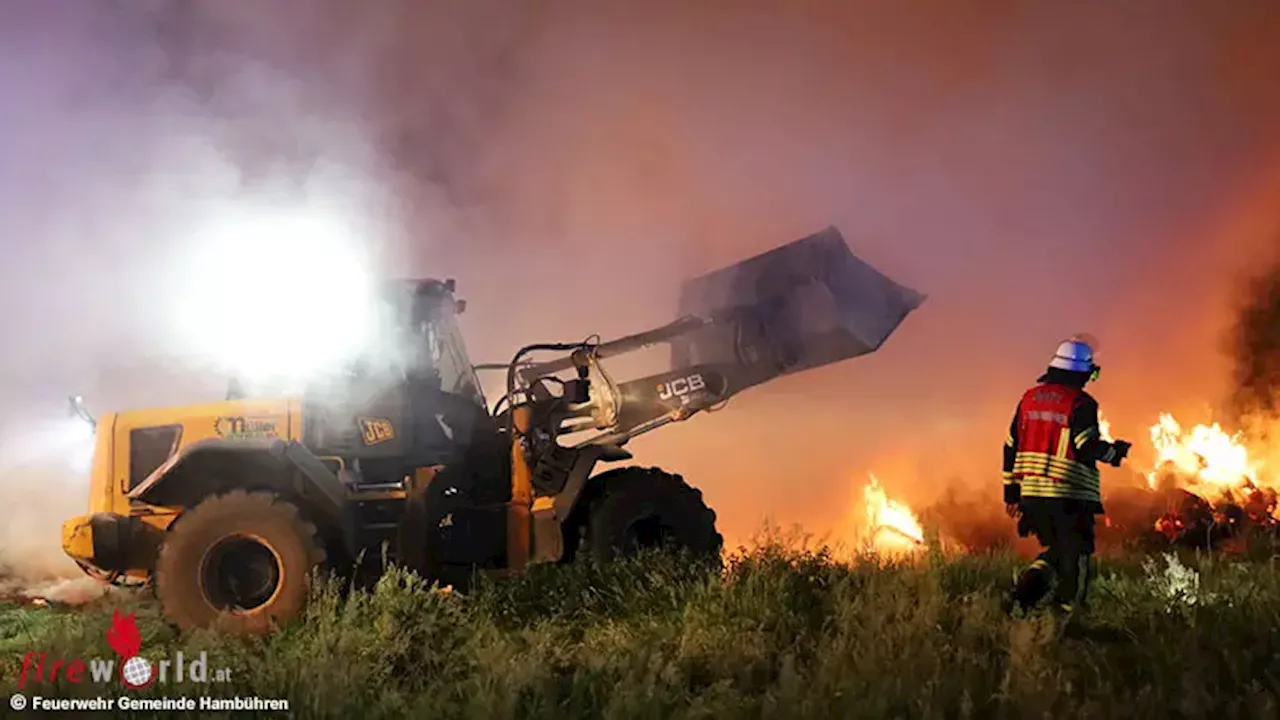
x,y
646,508
240,563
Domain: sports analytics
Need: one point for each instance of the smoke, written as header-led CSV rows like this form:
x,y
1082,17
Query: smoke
x,y
131,131
1033,172
1038,170
970,520
1256,340
136,133
41,462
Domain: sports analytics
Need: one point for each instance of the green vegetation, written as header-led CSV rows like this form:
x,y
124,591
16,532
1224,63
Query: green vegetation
x,y
782,633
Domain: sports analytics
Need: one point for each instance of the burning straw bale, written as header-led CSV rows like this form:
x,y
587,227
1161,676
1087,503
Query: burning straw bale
x,y
1208,489
1170,514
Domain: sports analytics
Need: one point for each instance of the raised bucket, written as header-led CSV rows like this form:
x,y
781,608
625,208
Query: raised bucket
x,y
803,305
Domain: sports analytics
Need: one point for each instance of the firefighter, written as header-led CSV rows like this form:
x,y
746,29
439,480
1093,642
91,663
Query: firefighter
x,y
1051,478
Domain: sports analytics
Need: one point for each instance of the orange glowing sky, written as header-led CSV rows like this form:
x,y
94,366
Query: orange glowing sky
x,y
1038,169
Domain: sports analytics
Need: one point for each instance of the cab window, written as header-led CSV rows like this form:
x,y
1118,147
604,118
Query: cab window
x,y
457,375
149,448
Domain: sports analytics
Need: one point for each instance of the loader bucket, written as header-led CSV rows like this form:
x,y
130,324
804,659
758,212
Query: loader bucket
x,y
800,306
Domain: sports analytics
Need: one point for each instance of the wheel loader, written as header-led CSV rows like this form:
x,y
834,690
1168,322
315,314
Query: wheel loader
x,y
225,509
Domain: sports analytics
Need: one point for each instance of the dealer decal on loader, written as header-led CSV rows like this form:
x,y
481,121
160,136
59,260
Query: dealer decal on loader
x,y
245,427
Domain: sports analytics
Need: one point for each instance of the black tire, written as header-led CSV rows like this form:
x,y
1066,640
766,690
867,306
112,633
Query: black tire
x,y
645,508
233,534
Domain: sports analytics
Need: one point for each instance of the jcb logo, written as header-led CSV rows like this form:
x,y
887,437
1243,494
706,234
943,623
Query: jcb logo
x,y
681,388
377,431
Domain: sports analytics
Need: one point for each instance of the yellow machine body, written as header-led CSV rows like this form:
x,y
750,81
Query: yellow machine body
x,y
121,464
400,452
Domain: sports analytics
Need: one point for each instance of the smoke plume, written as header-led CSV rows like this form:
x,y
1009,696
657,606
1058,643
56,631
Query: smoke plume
x,y
1256,340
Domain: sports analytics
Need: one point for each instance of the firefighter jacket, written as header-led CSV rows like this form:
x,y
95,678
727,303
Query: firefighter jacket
x,y
1053,447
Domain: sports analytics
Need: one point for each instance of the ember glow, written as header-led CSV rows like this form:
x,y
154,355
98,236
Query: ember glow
x,y
891,526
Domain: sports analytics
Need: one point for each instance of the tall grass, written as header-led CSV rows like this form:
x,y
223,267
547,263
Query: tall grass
x,y
782,632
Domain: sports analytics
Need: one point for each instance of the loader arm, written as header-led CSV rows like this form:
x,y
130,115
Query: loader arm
x,y
620,346
652,402
807,304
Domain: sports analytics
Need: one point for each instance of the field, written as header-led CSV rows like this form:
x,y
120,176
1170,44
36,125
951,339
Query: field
x,y
783,632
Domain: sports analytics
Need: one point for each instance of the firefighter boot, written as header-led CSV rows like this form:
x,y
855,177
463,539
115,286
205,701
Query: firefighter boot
x,y
1029,587
1068,620
1071,593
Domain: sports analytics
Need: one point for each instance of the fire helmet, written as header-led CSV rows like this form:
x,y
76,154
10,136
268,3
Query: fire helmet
x,y
1074,356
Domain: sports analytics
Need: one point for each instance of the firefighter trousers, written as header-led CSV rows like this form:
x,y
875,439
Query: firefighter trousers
x,y
1067,535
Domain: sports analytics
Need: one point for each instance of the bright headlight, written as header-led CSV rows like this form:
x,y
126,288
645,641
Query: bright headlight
x,y
273,296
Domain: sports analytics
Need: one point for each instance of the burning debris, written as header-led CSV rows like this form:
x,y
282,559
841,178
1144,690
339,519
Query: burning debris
x,y
892,528
1206,490
1218,489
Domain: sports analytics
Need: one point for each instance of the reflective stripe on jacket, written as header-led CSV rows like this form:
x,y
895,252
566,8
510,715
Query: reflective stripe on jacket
x,y
1053,446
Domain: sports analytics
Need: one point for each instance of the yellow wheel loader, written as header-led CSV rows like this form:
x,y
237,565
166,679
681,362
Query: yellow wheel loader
x,y
227,508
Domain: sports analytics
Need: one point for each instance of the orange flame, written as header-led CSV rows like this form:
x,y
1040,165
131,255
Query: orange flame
x,y
891,526
1104,428
1205,457
1215,466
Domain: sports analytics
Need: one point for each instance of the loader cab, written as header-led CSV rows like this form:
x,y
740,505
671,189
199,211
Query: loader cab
x,y
414,399
411,405
432,333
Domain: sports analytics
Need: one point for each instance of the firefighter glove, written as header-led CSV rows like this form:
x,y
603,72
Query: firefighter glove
x,y
1121,451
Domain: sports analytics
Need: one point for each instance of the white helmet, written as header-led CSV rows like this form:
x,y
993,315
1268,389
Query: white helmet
x,y
1074,356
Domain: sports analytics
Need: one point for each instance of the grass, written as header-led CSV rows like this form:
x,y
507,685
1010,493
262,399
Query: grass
x,y
784,632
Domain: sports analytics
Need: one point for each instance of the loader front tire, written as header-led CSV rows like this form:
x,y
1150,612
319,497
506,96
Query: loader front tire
x,y
645,508
240,563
